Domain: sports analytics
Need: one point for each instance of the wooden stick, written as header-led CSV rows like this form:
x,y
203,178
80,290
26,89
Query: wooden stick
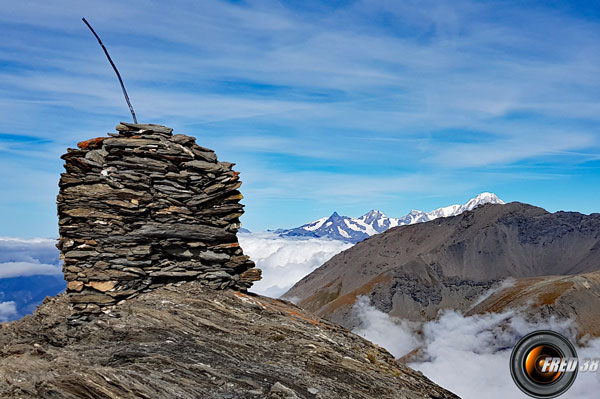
x,y
115,68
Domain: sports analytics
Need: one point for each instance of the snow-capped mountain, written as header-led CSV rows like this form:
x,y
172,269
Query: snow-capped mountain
x,y
354,230
453,210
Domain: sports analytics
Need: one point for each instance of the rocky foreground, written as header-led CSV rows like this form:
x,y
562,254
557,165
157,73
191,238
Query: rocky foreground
x,y
188,341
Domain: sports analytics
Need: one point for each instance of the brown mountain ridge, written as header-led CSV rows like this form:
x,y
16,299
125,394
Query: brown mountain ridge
x,y
415,271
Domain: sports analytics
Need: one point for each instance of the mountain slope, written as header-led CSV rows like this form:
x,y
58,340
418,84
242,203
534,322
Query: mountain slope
x,y
414,271
187,341
575,297
354,230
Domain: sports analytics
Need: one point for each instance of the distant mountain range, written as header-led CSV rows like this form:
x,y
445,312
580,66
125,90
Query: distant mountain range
x,y
354,230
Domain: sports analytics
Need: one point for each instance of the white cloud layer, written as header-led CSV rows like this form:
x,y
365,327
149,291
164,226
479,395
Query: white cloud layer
x,y
17,269
284,261
376,326
7,311
470,355
28,257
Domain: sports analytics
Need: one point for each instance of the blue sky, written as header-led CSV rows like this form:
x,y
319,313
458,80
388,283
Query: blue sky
x,y
347,106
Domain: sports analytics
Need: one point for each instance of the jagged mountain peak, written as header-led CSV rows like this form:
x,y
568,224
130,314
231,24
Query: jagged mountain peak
x,y
373,212
372,216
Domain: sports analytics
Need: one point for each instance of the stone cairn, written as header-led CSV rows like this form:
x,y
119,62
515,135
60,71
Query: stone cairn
x,y
143,208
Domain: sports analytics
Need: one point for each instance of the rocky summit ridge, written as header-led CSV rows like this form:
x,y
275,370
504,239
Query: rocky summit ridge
x,y
188,341
155,306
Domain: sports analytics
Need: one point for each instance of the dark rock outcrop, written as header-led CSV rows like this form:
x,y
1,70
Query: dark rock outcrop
x,y
575,297
185,340
143,208
414,271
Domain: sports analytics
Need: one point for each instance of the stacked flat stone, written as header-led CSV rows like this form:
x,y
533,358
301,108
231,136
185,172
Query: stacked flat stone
x,y
143,208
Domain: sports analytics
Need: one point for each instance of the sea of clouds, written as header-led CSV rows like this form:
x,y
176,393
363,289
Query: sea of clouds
x,y
28,257
25,258
469,355
285,260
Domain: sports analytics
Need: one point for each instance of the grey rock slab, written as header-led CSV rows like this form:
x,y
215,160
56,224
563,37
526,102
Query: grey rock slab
x,y
129,142
213,256
202,165
185,231
123,126
161,273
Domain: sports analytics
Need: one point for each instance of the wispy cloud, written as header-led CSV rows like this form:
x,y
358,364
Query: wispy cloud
x,y
17,269
28,257
442,89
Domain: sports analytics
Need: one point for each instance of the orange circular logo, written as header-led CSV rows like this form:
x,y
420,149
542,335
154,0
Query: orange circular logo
x,y
543,364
